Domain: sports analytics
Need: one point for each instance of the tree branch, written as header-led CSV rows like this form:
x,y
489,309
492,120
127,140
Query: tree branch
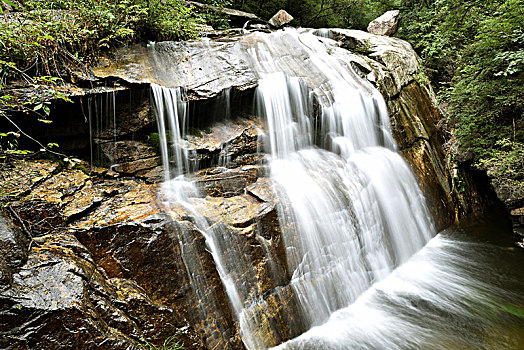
x,y
32,138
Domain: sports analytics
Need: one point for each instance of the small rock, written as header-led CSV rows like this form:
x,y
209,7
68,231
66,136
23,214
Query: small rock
x,y
129,157
223,182
253,25
387,24
280,18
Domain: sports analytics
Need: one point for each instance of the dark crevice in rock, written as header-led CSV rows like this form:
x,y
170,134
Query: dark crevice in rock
x,y
255,196
404,86
67,197
415,141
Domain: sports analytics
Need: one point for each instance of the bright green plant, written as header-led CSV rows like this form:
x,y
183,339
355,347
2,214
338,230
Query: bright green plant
x,y
214,18
171,343
507,161
168,20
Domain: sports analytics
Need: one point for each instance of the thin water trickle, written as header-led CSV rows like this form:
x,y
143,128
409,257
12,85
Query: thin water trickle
x,y
103,129
177,191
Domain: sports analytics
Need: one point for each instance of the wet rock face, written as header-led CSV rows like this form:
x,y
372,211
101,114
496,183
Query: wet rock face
x,y
66,302
197,69
224,182
133,158
114,266
105,276
232,143
14,246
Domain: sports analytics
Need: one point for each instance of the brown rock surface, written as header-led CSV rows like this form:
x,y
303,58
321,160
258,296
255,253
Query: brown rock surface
x,y
104,267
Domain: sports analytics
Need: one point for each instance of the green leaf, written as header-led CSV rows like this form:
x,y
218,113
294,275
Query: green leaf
x,y
9,3
22,152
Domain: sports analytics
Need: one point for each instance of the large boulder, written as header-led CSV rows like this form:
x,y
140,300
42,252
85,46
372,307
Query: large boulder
x,y
280,19
387,24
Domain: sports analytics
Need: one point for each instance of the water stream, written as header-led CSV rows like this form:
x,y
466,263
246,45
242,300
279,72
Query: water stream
x,y
463,290
351,210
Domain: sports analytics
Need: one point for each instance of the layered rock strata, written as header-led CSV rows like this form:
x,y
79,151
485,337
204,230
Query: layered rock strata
x,y
95,259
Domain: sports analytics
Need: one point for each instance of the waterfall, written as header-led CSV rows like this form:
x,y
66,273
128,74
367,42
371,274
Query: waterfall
x,y
354,208
178,191
102,125
350,208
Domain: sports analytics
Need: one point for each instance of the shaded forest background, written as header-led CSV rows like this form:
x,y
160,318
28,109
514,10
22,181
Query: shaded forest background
x,y
472,50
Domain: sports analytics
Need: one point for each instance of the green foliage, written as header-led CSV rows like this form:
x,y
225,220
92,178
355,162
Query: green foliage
x,y
507,161
38,104
474,53
213,18
50,39
321,13
49,36
167,20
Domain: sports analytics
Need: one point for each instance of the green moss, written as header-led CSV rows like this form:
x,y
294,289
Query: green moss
x,y
194,132
514,310
363,48
153,139
81,168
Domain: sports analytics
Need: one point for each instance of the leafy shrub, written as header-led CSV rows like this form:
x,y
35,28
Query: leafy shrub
x,y
474,52
507,161
213,18
49,36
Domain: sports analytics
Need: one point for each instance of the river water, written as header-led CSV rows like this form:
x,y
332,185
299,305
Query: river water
x,y
463,290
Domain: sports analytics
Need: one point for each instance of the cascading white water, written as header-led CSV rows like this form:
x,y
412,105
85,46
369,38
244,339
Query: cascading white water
x,y
171,116
354,209
350,208
447,296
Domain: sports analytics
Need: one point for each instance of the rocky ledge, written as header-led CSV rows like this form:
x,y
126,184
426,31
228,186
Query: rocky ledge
x,y
95,257
208,68
96,260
